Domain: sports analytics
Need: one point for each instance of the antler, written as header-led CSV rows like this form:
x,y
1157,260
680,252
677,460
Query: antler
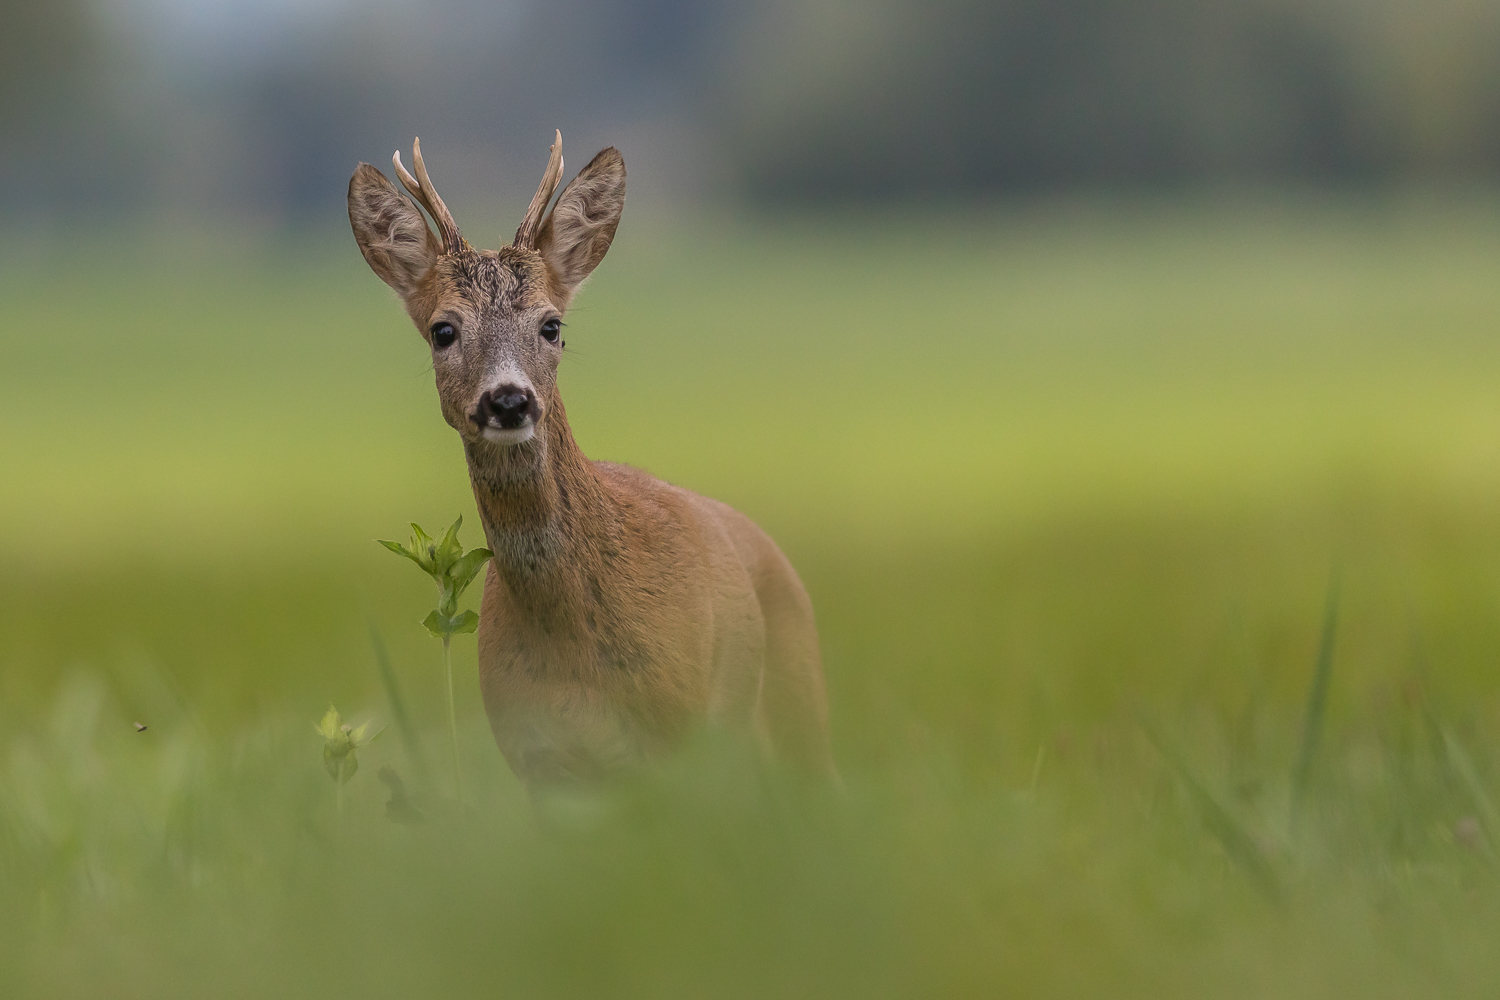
x,y
526,235
421,188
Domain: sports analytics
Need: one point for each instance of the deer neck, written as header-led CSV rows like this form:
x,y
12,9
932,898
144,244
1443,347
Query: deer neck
x,y
543,506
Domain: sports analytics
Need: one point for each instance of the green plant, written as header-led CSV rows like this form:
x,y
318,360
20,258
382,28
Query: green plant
x,y
452,570
340,743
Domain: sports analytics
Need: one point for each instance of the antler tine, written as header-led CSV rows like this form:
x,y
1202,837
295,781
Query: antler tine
x,y
414,186
440,214
421,188
526,234
407,180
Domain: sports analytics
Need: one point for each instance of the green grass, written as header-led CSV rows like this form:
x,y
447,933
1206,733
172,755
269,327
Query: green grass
x,y
1066,483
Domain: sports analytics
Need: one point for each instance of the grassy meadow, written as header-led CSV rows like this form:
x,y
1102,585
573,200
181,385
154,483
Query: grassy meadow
x,y
1080,490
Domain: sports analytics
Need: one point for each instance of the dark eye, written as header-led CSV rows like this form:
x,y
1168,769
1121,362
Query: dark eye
x,y
443,335
551,329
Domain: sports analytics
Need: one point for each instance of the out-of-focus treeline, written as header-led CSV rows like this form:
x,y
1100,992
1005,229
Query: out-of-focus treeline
x,y
119,105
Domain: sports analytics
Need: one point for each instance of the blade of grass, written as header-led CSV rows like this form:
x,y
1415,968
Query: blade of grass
x,y
1317,701
1220,822
398,704
1417,697
1461,762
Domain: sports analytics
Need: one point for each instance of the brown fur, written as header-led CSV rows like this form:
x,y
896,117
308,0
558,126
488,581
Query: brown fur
x,y
619,612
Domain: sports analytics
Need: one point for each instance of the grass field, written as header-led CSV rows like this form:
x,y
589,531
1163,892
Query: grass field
x,y
1068,484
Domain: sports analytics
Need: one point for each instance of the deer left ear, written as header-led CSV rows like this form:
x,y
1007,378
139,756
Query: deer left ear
x,y
577,234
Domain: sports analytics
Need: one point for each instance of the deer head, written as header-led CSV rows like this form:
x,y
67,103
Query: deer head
x,y
492,318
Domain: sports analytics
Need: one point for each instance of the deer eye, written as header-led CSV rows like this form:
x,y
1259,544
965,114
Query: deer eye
x,y
443,335
551,329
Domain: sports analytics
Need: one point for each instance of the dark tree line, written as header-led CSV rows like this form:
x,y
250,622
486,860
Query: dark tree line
x,y
768,99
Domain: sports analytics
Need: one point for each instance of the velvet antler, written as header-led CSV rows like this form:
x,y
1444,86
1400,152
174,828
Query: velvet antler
x,y
526,234
421,188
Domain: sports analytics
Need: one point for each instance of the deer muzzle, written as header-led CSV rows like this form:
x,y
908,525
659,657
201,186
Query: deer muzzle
x,y
507,414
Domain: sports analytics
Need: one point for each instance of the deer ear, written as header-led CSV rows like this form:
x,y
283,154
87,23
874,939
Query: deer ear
x,y
391,232
577,233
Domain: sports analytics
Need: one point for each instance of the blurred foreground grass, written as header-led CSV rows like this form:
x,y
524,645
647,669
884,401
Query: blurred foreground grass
x,y
1049,473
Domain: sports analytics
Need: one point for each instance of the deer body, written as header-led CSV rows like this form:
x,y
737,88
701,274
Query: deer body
x,y
619,612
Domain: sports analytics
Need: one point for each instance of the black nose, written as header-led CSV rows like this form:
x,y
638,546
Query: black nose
x,y
509,405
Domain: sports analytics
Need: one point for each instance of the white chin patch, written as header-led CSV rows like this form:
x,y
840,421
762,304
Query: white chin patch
x,y
514,435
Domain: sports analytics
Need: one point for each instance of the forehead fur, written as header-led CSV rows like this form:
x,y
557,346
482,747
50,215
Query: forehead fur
x,y
511,277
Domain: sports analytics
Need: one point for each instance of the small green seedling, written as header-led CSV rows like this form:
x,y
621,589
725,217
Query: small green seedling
x,y
340,743
452,570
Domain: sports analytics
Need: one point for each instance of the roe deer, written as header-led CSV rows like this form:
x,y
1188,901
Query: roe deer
x,y
619,611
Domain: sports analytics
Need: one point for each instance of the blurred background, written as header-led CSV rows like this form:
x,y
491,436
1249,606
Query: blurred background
x,y
1070,349
233,106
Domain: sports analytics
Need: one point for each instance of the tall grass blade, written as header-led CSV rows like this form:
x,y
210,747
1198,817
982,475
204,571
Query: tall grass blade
x,y
1460,761
398,704
1317,700
1436,737
1220,822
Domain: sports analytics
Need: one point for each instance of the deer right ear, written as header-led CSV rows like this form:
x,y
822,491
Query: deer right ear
x,y
391,232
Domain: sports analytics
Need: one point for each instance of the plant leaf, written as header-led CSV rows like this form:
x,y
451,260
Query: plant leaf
x,y
448,550
398,548
463,572
436,623
424,547
333,762
330,727
467,622
359,738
